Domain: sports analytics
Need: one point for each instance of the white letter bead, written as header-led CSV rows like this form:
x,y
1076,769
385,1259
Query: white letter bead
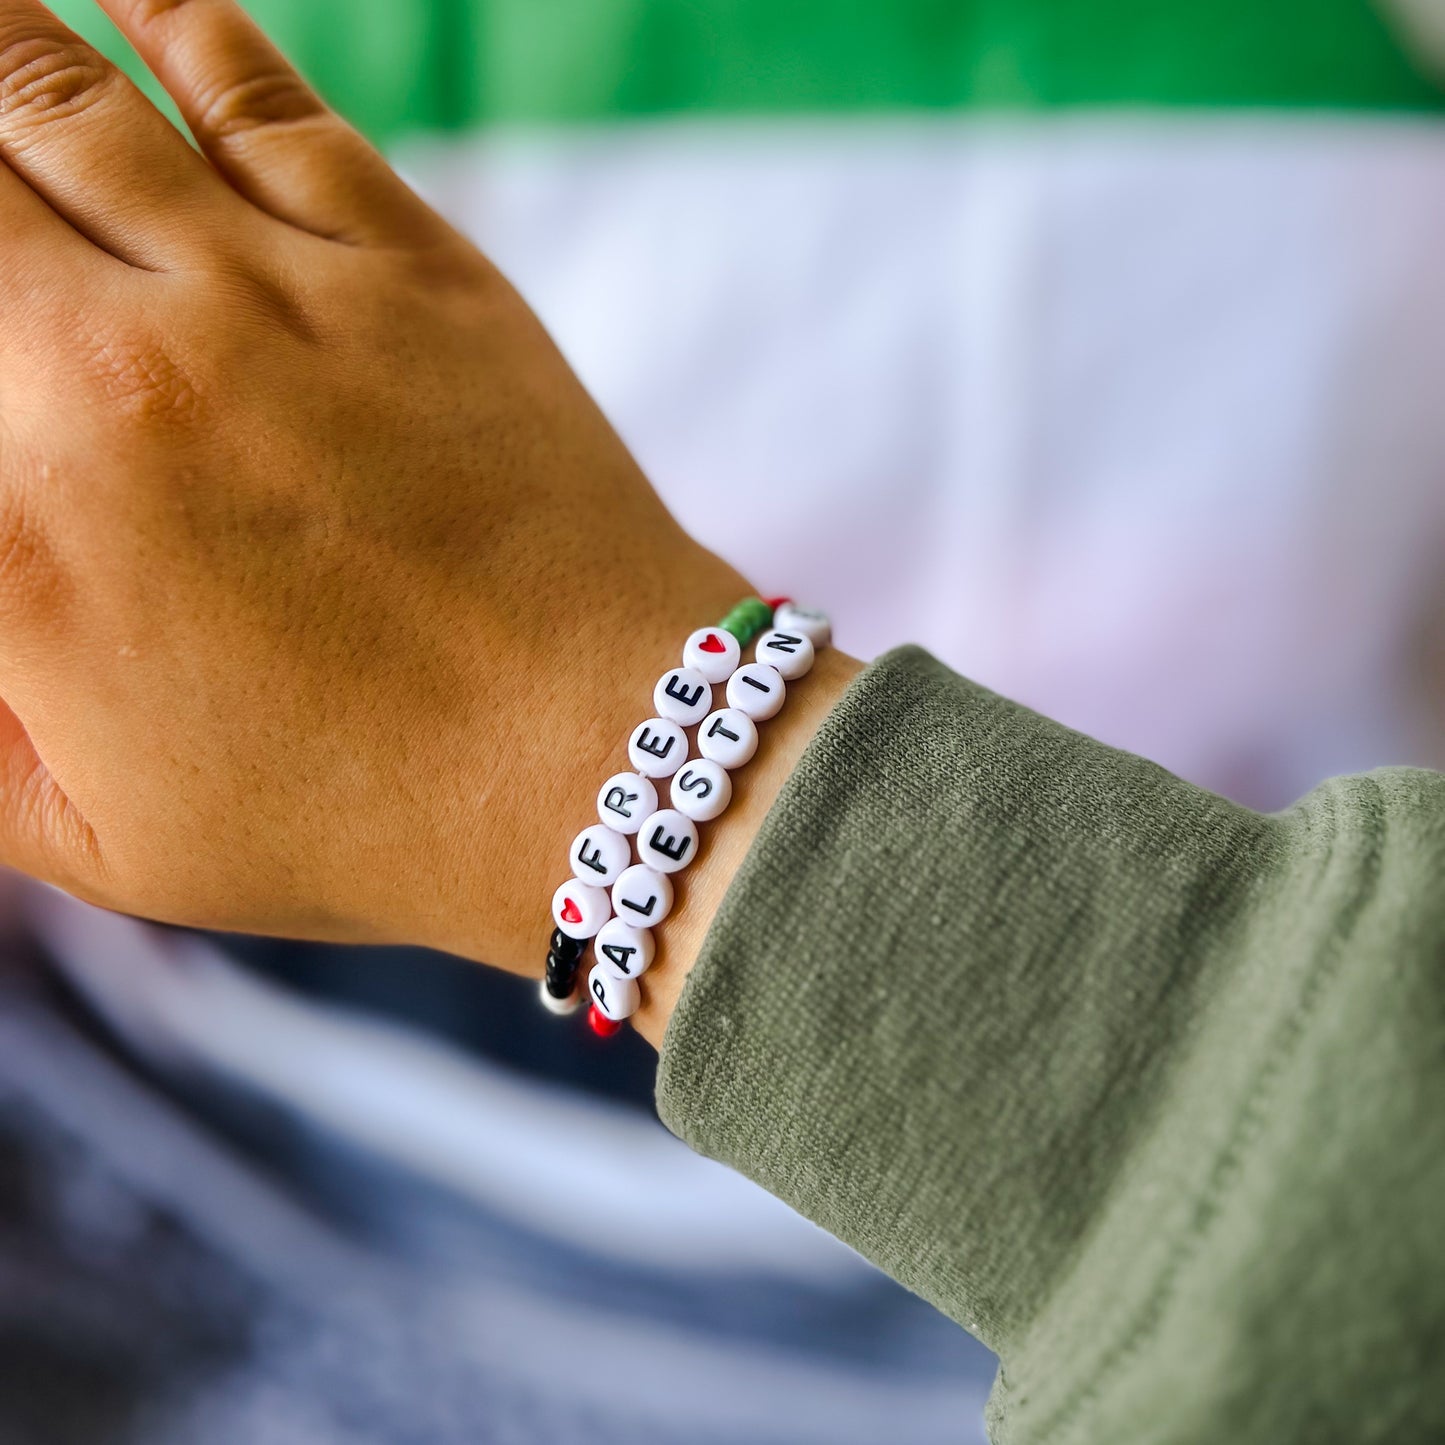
x,y
626,801
624,949
579,909
657,748
713,652
790,652
599,855
668,841
560,1006
727,737
615,995
814,625
684,695
757,689
702,790
642,897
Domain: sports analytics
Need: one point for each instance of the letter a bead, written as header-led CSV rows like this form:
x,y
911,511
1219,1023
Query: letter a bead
x,y
579,909
701,790
712,651
642,896
626,949
657,748
599,855
625,801
613,995
757,689
727,737
668,841
684,695
790,652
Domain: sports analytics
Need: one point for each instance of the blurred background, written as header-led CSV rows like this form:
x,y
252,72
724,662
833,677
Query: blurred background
x,y
1096,345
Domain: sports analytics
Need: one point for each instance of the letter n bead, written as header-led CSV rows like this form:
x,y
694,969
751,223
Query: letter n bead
x,y
790,652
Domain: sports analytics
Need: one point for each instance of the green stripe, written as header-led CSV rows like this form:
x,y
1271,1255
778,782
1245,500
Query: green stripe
x,y
401,65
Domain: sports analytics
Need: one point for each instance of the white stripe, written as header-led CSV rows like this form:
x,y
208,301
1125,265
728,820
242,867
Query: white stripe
x,y
1139,420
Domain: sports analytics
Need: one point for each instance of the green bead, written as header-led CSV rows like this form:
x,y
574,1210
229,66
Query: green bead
x,y
747,619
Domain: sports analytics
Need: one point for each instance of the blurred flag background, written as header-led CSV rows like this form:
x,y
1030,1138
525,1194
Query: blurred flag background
x,y
1096,345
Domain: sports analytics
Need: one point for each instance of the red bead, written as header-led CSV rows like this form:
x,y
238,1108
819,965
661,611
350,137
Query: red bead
x,y
602,1026
776,602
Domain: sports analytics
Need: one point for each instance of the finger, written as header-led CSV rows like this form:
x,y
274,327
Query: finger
x,y
263,127
36,246
41,831
76,130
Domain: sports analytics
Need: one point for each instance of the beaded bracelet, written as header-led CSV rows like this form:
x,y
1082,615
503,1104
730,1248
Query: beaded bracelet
x,y
610,900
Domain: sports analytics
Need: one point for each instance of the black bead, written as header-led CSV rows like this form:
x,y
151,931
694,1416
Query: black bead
x,y
566,947
561,987
561,967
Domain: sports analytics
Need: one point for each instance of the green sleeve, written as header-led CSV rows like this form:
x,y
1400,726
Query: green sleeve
x,y
1143,1088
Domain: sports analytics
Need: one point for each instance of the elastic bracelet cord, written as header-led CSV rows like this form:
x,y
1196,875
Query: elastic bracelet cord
x,y
613,901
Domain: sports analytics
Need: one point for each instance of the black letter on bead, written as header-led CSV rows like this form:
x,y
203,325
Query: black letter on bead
x,y
648,743
691,782
717,727
619,953
678,689
784,642
638,908
599,989
615,799
673,847
594,862
753,682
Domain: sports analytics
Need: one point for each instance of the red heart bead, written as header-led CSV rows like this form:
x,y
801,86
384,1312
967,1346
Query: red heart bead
x,y
570,912
712,643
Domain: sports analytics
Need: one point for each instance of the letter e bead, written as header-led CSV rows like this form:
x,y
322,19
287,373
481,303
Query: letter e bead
x,y
668,841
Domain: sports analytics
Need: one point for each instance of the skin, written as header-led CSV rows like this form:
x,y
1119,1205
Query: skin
x,y
327,595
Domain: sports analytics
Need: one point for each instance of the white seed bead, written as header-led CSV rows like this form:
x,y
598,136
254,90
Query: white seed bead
x,y
701,789
757,689
668,842
626,801
684,695
642,896
727,737
562,1006
615,995
579,909
712,651
599,855
625,949
790,652
814,625
657,748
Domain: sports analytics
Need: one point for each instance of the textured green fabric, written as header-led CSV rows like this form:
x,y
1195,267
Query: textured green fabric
x,y
399,66
1144,1088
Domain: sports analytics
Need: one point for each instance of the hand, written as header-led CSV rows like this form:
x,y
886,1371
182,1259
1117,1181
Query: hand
x,y
326,595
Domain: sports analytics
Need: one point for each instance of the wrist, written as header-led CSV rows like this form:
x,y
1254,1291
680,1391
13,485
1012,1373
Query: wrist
x,y
701,888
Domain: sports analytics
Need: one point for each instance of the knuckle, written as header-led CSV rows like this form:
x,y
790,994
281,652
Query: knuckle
x,y
28,574
143,379
49,78
234,108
